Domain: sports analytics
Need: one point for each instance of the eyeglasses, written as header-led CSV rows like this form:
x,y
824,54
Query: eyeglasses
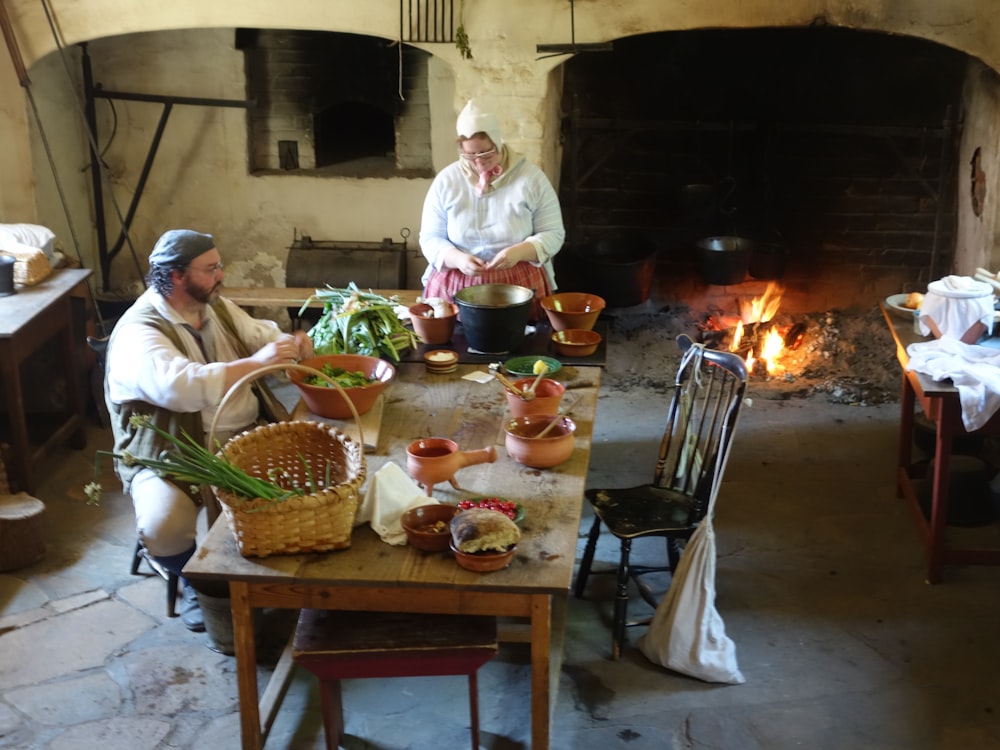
x,y
480,155
210,270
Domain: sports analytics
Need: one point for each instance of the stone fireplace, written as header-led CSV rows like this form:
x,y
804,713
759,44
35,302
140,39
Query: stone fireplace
x,y
837,149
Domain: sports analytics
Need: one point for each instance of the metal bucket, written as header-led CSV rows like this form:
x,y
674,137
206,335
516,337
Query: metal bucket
x,y
724,260
619,270
493,316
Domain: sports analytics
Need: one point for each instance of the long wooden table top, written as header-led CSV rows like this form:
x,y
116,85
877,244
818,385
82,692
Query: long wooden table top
x,y
419,404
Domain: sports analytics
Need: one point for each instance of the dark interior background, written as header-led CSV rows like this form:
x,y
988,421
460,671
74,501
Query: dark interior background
x,y
838,145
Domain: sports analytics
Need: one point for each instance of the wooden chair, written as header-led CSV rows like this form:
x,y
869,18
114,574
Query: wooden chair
x,y
336,645
707,394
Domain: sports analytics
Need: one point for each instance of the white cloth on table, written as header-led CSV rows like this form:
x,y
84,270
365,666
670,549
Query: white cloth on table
x,y
974,371
390,492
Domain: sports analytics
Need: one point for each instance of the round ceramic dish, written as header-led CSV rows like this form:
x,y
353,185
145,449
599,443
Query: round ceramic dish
x,y
895,304
523,367
483,562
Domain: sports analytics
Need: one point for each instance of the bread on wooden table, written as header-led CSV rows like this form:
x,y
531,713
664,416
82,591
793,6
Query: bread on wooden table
x,y
482,530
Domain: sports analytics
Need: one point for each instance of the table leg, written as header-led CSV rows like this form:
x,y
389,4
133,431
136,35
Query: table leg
x,y
939,491
541,639
906,418
18,422
246,666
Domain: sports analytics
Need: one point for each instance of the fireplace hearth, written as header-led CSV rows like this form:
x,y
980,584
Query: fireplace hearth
x,y
838,146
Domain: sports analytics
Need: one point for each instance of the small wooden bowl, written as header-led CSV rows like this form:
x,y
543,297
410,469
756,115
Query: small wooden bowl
x,y
483,562
428,527
576,342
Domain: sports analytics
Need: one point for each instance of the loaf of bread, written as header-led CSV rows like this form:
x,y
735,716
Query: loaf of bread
x,y
482,530
914,301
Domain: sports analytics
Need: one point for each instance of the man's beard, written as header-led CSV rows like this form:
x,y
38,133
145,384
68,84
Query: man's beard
x,y
200,294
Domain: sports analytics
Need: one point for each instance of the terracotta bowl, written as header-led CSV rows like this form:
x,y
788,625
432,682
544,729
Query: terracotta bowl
x,y
326,401
576,342
428,527
483,562
572,310
548,394
433,330
539,453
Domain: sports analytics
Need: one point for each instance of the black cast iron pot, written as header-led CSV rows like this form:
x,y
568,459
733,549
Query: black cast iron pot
x,y
493,316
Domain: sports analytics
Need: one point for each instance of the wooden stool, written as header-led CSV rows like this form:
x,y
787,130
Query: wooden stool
x,y
22,539
336,645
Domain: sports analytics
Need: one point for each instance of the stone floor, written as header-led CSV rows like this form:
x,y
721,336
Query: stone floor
x,y
820,585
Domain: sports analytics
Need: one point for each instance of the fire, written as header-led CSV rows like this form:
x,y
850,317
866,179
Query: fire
x,y
764,347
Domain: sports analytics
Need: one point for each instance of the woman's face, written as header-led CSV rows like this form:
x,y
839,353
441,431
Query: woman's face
x,y
480,151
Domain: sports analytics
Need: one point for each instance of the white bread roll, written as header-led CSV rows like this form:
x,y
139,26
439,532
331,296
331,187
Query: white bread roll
x,y
482,529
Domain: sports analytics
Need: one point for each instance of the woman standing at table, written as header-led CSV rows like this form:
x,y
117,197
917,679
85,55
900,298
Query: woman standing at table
x,y
490,217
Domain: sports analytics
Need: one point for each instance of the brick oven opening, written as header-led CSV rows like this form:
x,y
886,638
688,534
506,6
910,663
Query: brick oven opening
x,y
837,146
340,104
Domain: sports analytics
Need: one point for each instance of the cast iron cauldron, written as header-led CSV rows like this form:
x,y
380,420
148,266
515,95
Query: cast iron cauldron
x,y
494,315
724,260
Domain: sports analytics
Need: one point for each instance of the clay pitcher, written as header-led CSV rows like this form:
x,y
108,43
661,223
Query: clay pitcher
x,y
434,460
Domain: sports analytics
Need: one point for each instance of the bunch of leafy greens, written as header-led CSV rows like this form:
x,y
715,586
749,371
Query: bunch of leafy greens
x,y
189,462
357,322
344,378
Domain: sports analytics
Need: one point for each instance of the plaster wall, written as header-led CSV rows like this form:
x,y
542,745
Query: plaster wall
x,y
199,177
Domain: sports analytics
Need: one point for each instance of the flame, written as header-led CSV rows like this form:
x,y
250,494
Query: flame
x,y
761,310
764,308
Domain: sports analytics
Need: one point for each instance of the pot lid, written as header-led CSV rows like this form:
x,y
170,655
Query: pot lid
x,y
960,287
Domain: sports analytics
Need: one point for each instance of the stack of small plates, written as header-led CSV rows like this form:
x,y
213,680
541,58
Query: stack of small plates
x,y
441,361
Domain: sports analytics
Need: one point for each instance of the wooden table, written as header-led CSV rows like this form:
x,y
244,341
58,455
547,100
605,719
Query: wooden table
x,y
374,576
29,318
940,403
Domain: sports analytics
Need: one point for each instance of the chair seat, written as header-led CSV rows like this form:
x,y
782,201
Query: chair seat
x,y
643,510
336,645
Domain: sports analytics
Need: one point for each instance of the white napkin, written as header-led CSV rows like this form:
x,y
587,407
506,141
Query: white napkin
x,y
955,315
974,371
390,492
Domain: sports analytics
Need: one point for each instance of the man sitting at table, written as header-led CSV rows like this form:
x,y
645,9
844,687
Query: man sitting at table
x,y
173,355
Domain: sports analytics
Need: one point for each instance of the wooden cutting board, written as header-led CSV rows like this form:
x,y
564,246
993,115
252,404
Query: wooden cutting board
x,y
371,422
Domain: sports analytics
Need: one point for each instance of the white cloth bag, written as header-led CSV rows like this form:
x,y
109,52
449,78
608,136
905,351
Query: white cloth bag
x,y
687,634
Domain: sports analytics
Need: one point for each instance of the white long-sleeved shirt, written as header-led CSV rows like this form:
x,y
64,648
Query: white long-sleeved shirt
x,y
144,365
522,206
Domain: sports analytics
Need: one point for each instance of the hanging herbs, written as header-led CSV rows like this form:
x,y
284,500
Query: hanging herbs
x,y
461,38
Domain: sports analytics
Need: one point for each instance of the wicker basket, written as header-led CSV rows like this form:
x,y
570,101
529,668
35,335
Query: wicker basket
x,y
318,522
31,265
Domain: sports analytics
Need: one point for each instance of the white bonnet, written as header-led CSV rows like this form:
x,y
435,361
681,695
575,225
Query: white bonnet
x,y
472,120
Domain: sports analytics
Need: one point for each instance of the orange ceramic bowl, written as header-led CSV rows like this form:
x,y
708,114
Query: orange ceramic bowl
x,y
576,342
428,527
539,453
572,310
483,562
548,394
326,401
431,329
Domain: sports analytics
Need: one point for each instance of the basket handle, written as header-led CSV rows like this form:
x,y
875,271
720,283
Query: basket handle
x,y
251,376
